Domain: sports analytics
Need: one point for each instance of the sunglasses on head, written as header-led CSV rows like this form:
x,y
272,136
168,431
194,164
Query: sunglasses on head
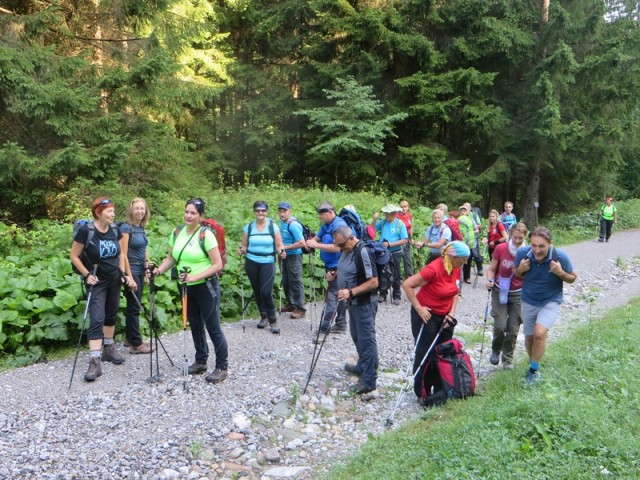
x,y
196,202
106,201
324,210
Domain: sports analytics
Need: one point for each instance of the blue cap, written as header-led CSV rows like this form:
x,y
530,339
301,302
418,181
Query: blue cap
x,y
284,206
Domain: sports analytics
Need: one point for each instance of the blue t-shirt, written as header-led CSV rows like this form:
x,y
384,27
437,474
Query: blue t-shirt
x,y
137,252
325,234
291,233
509,220
261,246
434,235
392,232
540,286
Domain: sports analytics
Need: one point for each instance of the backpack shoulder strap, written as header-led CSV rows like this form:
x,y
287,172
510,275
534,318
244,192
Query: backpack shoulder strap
x,y
176,232
201,235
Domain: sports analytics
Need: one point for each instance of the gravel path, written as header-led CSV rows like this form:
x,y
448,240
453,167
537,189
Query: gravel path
x,y
257,424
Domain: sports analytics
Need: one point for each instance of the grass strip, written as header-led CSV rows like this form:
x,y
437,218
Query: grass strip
x,y
581,422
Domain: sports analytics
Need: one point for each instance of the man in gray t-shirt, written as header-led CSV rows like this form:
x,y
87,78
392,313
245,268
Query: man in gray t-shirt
x,y
357,279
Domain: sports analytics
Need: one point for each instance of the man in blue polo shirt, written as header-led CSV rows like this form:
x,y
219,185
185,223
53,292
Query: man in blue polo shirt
x,y
544,271
393,234
330,255
291,266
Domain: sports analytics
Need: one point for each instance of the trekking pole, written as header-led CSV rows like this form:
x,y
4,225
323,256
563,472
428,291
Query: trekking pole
x,y
185,369
281,285
84,319
150,318
454,322
314,357
484,328
312,269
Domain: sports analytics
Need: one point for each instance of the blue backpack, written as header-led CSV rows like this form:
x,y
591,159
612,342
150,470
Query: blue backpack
x,y
354,221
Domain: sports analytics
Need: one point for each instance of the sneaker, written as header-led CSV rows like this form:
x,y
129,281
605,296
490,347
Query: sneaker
x,y
338,329
297,313
110,354
600,240
287,309
263,323
396,301
217,376
494,358
352,369
507,365
197,368
274,326
359,389
144,347
94,371
531,378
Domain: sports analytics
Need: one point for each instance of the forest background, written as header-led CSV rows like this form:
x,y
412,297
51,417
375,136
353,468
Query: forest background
x,y
533,101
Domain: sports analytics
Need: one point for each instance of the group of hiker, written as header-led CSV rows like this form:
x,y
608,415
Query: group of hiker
x,y
524,281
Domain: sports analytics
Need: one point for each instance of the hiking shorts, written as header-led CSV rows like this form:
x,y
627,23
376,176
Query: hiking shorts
x,y
546,315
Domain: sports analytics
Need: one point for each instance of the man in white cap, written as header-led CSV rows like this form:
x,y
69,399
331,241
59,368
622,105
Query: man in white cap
x,y
393,234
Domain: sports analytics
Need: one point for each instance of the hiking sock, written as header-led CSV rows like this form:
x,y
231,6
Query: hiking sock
x,y
533,366
108,341
95,353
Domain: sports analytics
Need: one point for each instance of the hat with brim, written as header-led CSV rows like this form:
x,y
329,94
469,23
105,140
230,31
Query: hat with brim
x,y
390,208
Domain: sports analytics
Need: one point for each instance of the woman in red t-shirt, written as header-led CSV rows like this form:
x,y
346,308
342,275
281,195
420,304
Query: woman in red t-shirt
x,y
434,304
497,234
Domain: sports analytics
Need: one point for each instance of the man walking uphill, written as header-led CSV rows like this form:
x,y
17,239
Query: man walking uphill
x,y
330,255
294,242
357,284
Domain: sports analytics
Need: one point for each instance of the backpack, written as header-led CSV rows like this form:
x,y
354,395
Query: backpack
x,y
381,256
307,233
78,224
456,374
454,225
218,232
354,221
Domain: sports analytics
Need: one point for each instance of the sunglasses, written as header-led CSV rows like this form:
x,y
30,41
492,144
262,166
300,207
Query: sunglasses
x,y
343,244
106,201
260,210
324,210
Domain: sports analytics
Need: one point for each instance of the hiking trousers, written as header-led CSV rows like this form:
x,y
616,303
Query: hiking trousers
x,y
605,228
331,306
407,260
104,306
362,325
262,276
507,319
292,281
132,313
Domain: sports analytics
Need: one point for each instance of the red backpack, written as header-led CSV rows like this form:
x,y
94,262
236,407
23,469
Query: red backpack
x,y
454,225
456,374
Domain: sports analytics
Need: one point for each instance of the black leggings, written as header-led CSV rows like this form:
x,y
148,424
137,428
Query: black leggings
x,y
262,276
429,333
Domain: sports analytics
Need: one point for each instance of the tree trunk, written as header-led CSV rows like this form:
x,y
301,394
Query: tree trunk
x,y
529,212
544,14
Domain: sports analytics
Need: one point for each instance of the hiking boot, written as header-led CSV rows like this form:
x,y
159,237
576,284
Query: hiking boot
x,y
494,358
263,323
396,301
217,376
287,309
352,369
531,378
338,329
507,365
110,354
601,240
273,323
480,273
144,347
94,371
359,389
607,240
382,299
317,338
197,368
297,313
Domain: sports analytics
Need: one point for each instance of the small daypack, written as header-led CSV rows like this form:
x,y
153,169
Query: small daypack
x,y
218,232
77,225
456,378
307,233
454,226
382,259
354,221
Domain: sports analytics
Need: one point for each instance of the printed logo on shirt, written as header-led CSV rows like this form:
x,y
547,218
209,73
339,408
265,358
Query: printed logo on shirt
x,y
108,249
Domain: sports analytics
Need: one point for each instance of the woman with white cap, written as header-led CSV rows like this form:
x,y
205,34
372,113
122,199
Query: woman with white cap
x,y
434,304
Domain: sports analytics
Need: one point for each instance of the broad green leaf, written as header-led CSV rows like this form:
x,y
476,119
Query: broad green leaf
x,y
42,305
64,300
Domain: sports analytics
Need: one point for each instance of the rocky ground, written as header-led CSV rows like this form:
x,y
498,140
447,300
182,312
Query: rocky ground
x,y
259,423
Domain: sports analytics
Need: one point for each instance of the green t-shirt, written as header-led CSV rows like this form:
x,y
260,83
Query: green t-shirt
x,y
466,229
192,256
608,211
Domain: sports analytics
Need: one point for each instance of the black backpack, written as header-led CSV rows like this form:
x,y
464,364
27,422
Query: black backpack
x,y
354,221
381,257
78,224
307,233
